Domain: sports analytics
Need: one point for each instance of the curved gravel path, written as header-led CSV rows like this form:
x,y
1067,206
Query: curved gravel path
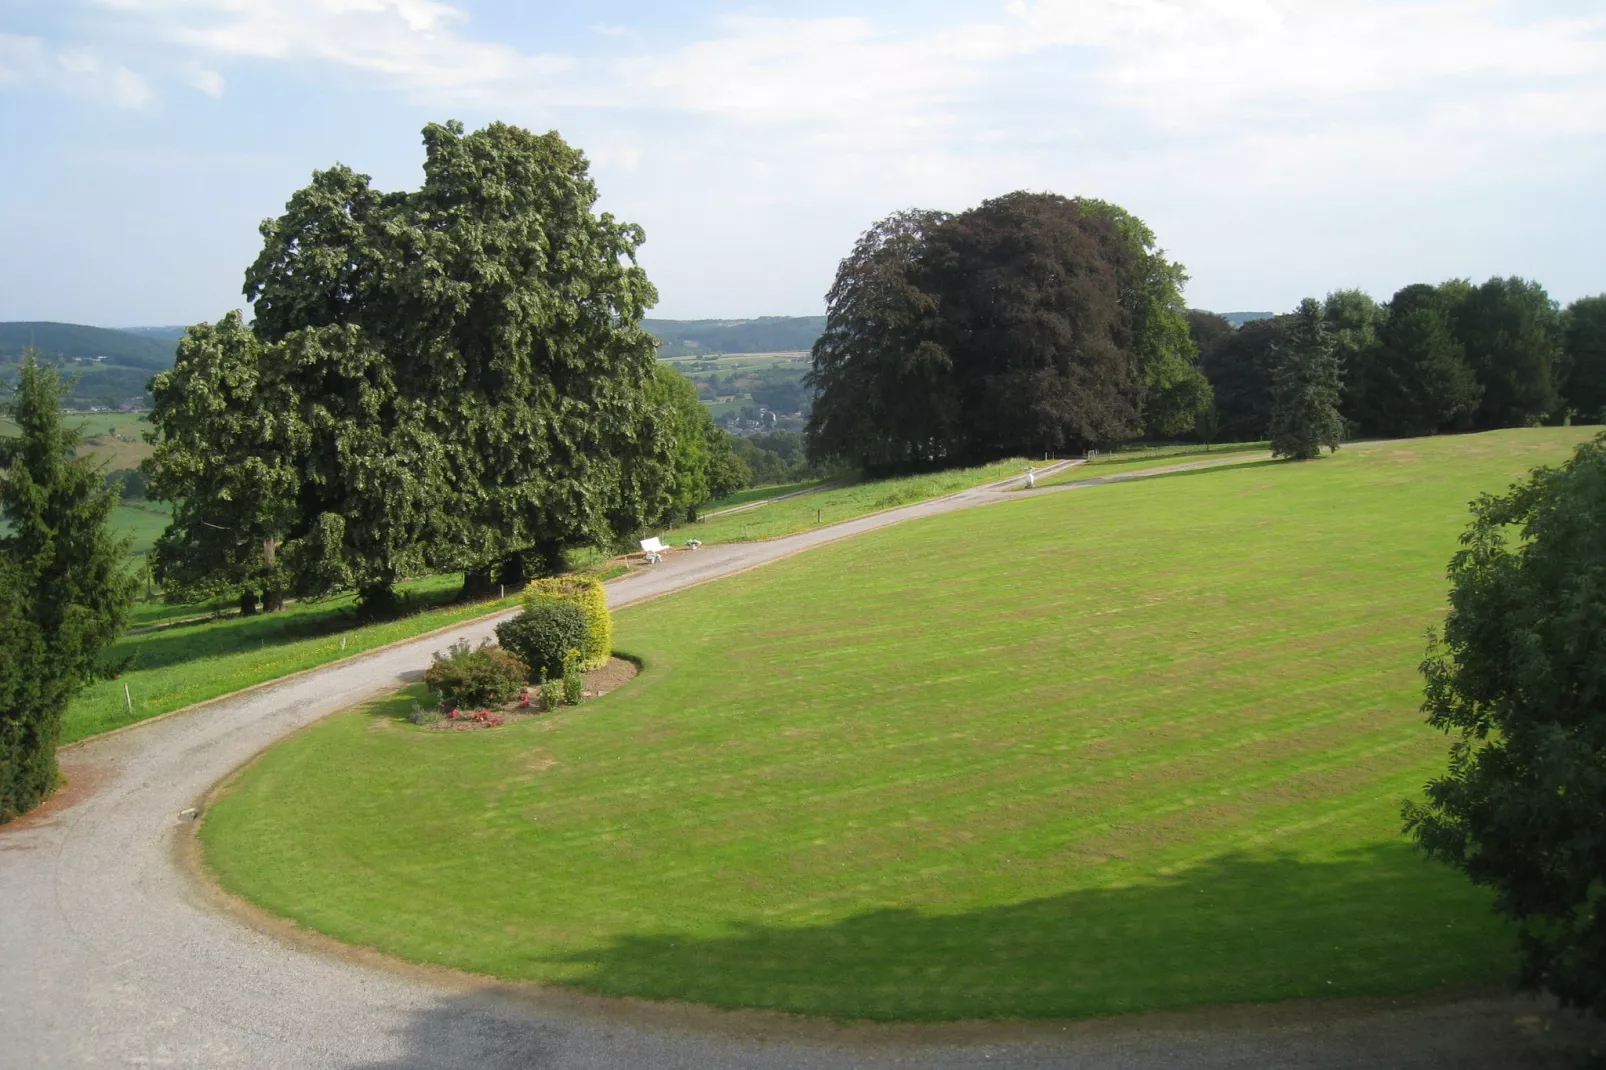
x,y
111,956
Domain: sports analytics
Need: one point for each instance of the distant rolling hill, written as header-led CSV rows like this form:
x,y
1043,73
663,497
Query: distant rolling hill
x,y
104,368
1238,319
767,334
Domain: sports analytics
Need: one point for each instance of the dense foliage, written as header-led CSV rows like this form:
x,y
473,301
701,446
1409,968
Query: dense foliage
x,y
1239,367
542,635
1305,388
1585,332
468,676
65,590
588,595
450,378
1520,678
1032,323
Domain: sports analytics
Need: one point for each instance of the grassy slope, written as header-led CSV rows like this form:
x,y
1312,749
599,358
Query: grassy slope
x,y
183,664
839,503
1139,746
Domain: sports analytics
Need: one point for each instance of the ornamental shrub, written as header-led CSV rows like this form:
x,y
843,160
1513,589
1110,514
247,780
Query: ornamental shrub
x,y
476,676
588,594
544,633
574,681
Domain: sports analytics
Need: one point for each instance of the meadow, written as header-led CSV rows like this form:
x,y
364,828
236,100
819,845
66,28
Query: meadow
x,y
837,502
180,655
1133,747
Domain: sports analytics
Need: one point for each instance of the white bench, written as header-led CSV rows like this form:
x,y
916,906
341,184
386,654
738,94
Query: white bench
x,y
654,549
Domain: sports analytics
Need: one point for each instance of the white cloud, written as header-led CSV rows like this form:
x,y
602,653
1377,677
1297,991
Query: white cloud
x,y
411,44
80,72
206,80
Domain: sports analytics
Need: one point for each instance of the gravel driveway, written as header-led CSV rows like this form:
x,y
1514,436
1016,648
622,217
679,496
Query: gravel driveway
x,y
110,955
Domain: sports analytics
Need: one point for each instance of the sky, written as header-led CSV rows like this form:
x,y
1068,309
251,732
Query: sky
x,y
1279,149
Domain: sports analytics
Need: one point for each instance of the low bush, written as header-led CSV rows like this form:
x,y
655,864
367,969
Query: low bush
x,y
551,694
586,593
476,676
574,680
423,715
544,633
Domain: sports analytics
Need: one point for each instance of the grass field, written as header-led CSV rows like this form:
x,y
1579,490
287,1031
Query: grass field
x,y
1138,747
758,494
181,664
839,503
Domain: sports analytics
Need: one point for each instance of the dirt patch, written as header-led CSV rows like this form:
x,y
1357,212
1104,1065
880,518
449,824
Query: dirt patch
x,y
617,673
82,778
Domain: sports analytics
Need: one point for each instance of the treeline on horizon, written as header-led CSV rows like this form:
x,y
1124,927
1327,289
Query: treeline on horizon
x,y
1036,324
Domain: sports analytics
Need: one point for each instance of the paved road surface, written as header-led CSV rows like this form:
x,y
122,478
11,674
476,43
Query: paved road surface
x,y
110,955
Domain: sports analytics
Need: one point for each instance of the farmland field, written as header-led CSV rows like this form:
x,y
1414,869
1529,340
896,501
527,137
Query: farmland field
x,y
1132,747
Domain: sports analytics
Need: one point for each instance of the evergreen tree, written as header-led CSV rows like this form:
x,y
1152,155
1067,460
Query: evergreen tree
x,y
65,589
1306,386
1413,378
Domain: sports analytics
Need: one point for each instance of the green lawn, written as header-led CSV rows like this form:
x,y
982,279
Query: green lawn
x,y
1137,748
758,494
839,503
143,521
1129,749
185,663
1149,456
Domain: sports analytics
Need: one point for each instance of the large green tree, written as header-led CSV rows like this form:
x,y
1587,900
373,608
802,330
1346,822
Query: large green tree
x,y
1306,386
1520,680
1028,324
1510,330
702,463
462,367
1239,367
1585,333
1412,378
226,442
65,588
884,398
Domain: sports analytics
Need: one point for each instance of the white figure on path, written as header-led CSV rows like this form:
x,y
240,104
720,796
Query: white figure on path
x,y
1031,478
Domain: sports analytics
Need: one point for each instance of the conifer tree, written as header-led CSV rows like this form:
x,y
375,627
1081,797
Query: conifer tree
x,y
1306,388
65,588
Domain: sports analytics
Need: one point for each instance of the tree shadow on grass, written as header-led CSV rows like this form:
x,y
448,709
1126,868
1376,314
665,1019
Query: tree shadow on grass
x,y
177,644
1240,928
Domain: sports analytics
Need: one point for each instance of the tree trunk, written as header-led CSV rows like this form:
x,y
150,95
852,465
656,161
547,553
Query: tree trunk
x,y
512,574
377,600
548,558
272,601
476,585
248,603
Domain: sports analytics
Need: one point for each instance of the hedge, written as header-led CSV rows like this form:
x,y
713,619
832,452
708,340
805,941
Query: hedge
x,y
587,594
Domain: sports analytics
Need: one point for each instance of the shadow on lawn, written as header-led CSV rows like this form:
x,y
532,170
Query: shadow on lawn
x,y
1238,928
182,642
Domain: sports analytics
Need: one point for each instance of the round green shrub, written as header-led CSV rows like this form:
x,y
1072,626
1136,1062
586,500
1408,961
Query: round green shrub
x,y
475,677
544,634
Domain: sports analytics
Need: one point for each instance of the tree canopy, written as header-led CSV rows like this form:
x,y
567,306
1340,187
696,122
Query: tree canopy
x,y
1511,332
1030,323
1585,334
1305,387
65,588
450,378
1520,680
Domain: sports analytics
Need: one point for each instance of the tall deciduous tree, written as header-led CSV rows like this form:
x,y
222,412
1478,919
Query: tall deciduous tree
x,y
1239,368
1585,390
65,588
226,446
1520,679
463,365
884,396
1306,385
1412,379
1030,323
1511,332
